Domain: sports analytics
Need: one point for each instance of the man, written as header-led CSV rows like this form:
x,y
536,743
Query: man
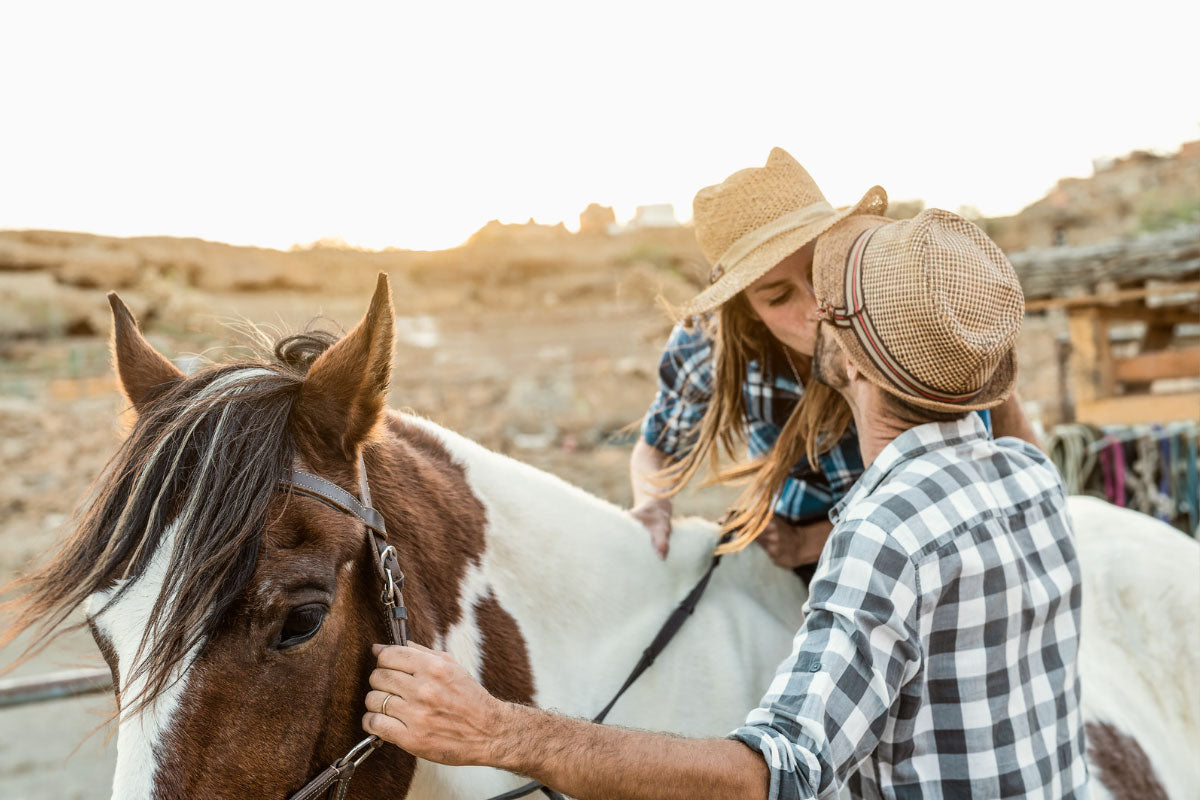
x,y
938,656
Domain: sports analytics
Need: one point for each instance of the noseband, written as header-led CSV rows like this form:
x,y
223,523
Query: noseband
x,y
334,781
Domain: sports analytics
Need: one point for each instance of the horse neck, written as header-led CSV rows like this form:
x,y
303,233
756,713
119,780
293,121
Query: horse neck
x,y
568,566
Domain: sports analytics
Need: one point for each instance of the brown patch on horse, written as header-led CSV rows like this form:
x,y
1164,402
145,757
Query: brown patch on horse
x,y
1122,764
109,654
504,665
435,521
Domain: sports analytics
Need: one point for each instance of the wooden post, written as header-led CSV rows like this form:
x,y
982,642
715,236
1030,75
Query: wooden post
x,y
1091,355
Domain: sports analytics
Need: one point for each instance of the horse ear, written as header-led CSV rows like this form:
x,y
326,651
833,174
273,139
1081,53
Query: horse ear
x,y
141,370
345,392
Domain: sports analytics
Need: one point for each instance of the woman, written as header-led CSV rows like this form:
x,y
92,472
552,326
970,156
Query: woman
x,y
736,373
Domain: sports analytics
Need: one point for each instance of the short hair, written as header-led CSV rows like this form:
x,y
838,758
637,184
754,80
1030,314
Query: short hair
x,y
913,414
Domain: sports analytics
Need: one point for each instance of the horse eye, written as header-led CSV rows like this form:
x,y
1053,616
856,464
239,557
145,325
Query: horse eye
x,y
302,624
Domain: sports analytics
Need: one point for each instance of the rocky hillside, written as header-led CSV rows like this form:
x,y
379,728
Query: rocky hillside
x,y
49,280
1140,193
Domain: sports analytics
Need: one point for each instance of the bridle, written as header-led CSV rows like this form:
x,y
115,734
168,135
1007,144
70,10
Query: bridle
x,y
334,780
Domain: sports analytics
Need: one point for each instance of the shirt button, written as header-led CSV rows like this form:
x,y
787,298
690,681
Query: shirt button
x,y
815,667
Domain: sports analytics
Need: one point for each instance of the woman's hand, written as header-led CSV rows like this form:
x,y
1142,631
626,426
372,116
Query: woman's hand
x,y
791,546
655,514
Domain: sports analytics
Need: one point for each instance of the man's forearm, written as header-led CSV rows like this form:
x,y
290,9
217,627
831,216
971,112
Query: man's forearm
x,y
590,761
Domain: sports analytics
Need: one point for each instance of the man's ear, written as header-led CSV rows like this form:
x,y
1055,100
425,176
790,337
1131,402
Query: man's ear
x,y
142,371
852,371
345,392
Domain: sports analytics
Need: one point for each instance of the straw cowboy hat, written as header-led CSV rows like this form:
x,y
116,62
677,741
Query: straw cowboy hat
x,y
759,216
927,308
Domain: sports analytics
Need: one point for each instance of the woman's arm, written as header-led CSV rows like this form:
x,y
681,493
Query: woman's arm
x,y
1008,419
653,512
792,546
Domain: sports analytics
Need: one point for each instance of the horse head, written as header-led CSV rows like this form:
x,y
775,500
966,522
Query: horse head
x,y
237,617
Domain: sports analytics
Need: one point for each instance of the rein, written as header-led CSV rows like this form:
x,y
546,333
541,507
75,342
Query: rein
x,y
334,781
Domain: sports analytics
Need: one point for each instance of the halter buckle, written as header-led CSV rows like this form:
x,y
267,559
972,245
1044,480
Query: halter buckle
x,y
388,595
386,554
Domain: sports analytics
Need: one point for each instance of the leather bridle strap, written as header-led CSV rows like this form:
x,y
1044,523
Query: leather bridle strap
x,y
334,781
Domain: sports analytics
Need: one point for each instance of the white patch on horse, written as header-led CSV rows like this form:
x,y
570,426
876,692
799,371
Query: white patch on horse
x,y
139,737
464,640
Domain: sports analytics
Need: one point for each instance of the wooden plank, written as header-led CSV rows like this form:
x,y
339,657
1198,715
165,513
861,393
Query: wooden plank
x,y
1140,312
1140,409
1172,255
1156,366
1091,355
1119,296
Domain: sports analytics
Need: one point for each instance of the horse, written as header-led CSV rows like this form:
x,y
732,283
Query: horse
x,y
238,618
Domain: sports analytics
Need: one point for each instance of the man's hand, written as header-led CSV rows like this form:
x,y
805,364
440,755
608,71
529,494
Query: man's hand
x,y
655,514
436,709
791,546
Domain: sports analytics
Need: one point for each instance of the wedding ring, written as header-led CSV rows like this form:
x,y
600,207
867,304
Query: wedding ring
x,y
383,708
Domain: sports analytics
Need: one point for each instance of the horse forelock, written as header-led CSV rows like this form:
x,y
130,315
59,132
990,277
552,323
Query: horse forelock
x,y
203,463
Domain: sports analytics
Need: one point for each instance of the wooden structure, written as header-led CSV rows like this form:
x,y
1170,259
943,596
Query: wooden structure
x,y
1153,280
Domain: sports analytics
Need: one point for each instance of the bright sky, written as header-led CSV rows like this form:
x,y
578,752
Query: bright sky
x,y
411,124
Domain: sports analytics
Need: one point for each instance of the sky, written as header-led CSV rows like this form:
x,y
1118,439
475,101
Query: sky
x,y
406,124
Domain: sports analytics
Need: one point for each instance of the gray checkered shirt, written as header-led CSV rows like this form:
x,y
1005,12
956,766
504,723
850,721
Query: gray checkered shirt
x,y
938,654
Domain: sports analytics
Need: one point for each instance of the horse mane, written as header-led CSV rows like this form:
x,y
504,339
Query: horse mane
x,y
205,456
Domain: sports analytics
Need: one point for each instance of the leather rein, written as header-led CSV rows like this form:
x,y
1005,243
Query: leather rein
x,y
334,781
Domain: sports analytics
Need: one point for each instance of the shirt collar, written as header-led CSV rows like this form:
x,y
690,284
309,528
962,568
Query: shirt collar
x,y
912,443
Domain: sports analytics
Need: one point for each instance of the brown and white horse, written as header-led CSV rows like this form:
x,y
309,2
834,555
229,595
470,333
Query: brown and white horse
x,y
237,619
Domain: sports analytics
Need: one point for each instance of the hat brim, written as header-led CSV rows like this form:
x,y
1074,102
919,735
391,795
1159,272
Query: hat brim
x,y
760,261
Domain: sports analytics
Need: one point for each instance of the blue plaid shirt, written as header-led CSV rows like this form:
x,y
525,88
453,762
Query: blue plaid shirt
x,y
685,386
938,654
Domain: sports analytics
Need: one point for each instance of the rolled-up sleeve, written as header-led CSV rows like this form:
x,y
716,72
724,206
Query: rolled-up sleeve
x,y
684,391
829,701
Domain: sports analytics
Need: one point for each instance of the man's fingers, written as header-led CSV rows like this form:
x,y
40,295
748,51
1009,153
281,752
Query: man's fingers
x,y
394,656
392,681
375,698
410,658
420,648
386,727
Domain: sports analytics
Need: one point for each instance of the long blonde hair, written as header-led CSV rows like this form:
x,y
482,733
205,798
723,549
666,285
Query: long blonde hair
x,y
817,422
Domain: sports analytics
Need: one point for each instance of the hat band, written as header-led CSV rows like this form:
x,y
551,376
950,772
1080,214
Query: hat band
x,y
747,243
856,318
